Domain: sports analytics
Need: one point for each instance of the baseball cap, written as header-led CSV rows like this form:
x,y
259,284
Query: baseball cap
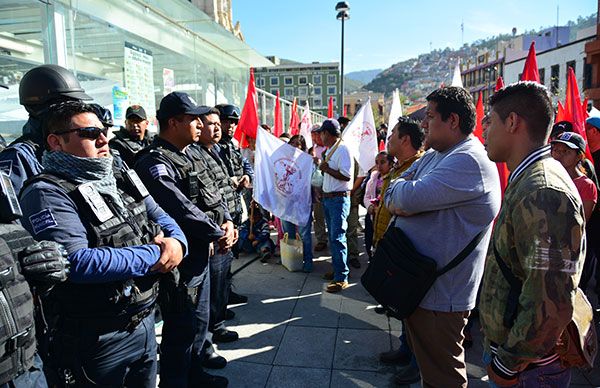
x,y
330,125
593,121
176,103
135,111
571,140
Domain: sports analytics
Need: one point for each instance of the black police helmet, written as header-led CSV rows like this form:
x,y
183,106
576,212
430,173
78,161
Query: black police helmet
x,y
103,114
46,84
228,111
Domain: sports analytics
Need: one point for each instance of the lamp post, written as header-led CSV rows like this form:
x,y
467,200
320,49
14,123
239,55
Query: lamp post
x,y
342,9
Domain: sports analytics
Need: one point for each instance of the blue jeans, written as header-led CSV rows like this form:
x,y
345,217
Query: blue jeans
x,y
305,233
336,211
33,378
183,334
220,264
552,375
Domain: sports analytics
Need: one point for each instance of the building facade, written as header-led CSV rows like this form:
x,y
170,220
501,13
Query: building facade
x,y
553,65
145,49
313,82
480,74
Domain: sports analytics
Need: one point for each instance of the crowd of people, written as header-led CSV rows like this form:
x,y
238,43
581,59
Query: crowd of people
x,y
97,233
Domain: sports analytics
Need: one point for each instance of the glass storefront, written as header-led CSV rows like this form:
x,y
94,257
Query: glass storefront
x,y
147,48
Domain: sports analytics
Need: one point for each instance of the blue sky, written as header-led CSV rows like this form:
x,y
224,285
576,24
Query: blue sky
x,y
383,32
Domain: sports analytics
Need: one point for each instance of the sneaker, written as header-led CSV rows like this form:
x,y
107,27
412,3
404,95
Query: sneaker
x,y
395,357
334,287
320,246
354,263
235,298
408,374
213,361
328,276
265,256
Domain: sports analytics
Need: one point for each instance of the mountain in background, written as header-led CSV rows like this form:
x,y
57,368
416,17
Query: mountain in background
x,y
364,76
352,85
416,77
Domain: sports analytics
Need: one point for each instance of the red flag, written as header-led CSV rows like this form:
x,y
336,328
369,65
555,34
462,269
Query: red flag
x,y
499,84
560,115
278,126
345,111
573,108
249,119
294,118
330,108
479,115
503,173
530,70
381,145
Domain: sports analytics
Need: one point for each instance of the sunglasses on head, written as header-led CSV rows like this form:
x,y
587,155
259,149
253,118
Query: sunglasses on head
x,y
88,132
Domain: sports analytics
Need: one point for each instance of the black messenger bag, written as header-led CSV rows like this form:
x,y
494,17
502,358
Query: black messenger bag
x,y
399,277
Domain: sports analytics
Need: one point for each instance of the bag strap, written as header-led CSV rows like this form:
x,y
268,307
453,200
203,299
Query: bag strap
x,y
463,254
506,272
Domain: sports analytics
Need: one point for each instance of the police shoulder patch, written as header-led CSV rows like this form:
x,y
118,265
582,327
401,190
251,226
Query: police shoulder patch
x,y
42,220
158,170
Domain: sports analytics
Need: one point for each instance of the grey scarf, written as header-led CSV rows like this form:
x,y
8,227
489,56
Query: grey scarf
x,y
99,171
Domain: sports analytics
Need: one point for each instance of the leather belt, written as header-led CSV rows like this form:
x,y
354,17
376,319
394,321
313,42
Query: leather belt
x,y
334,194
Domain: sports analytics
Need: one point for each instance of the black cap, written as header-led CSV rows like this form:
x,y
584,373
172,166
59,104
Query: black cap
x,y
228,111
177,103
330,125
135,111
571,140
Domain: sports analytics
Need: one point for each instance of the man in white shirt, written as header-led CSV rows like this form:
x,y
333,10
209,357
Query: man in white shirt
x,y
337,183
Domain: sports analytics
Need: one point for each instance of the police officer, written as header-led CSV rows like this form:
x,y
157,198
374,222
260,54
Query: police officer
x,y
132,138
205,152
177,183
239,168
40,87
118,240
22,260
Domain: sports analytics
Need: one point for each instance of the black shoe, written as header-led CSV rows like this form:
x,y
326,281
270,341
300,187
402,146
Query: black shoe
x,y
394,357
407,375
380,309
235,298
354,263
229,315
214,361
225,336
204,379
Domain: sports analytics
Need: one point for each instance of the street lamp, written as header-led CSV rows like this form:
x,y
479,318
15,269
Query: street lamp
x,y
342,9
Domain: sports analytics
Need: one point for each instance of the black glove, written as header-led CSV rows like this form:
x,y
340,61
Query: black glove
x,y
44,263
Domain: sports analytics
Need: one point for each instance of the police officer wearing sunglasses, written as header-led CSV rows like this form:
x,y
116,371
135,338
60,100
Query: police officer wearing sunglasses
x,y
118,241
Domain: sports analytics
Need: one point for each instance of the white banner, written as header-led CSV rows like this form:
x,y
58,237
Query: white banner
x,y
306,126
395,113
282,179
360,137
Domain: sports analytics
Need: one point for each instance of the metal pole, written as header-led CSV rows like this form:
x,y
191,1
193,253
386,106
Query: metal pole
x,y
341,104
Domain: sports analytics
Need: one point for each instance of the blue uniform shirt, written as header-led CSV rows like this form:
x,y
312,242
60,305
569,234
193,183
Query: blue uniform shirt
x,y
167,187
50,214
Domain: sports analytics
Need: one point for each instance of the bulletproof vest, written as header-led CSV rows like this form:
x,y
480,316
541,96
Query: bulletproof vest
x,y
107,227
17,331
233,159
198,185
219,175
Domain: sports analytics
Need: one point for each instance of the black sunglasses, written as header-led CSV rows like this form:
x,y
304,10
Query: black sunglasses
x,y
87,132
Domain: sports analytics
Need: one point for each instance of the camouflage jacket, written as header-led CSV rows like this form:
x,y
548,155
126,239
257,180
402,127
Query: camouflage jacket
x,y
539,235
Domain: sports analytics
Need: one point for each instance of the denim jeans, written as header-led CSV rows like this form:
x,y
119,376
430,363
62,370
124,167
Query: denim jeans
x,y
33,378
305,233
552,375
183,335
220,264
336,214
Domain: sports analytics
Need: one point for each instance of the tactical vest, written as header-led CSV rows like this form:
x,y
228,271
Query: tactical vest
x,y
133,228
17,330
198,185
233,159
131,145
219,175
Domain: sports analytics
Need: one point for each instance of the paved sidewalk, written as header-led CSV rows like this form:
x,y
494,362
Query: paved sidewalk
x,y
294,334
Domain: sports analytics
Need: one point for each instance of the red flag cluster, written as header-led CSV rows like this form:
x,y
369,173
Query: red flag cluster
x,y
294,119
530,70
248,123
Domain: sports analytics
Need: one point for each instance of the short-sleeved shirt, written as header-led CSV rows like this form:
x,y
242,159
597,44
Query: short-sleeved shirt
x,y
586,188
341,160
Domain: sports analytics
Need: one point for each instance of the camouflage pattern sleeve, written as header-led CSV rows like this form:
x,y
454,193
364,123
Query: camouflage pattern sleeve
x,y
549,244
